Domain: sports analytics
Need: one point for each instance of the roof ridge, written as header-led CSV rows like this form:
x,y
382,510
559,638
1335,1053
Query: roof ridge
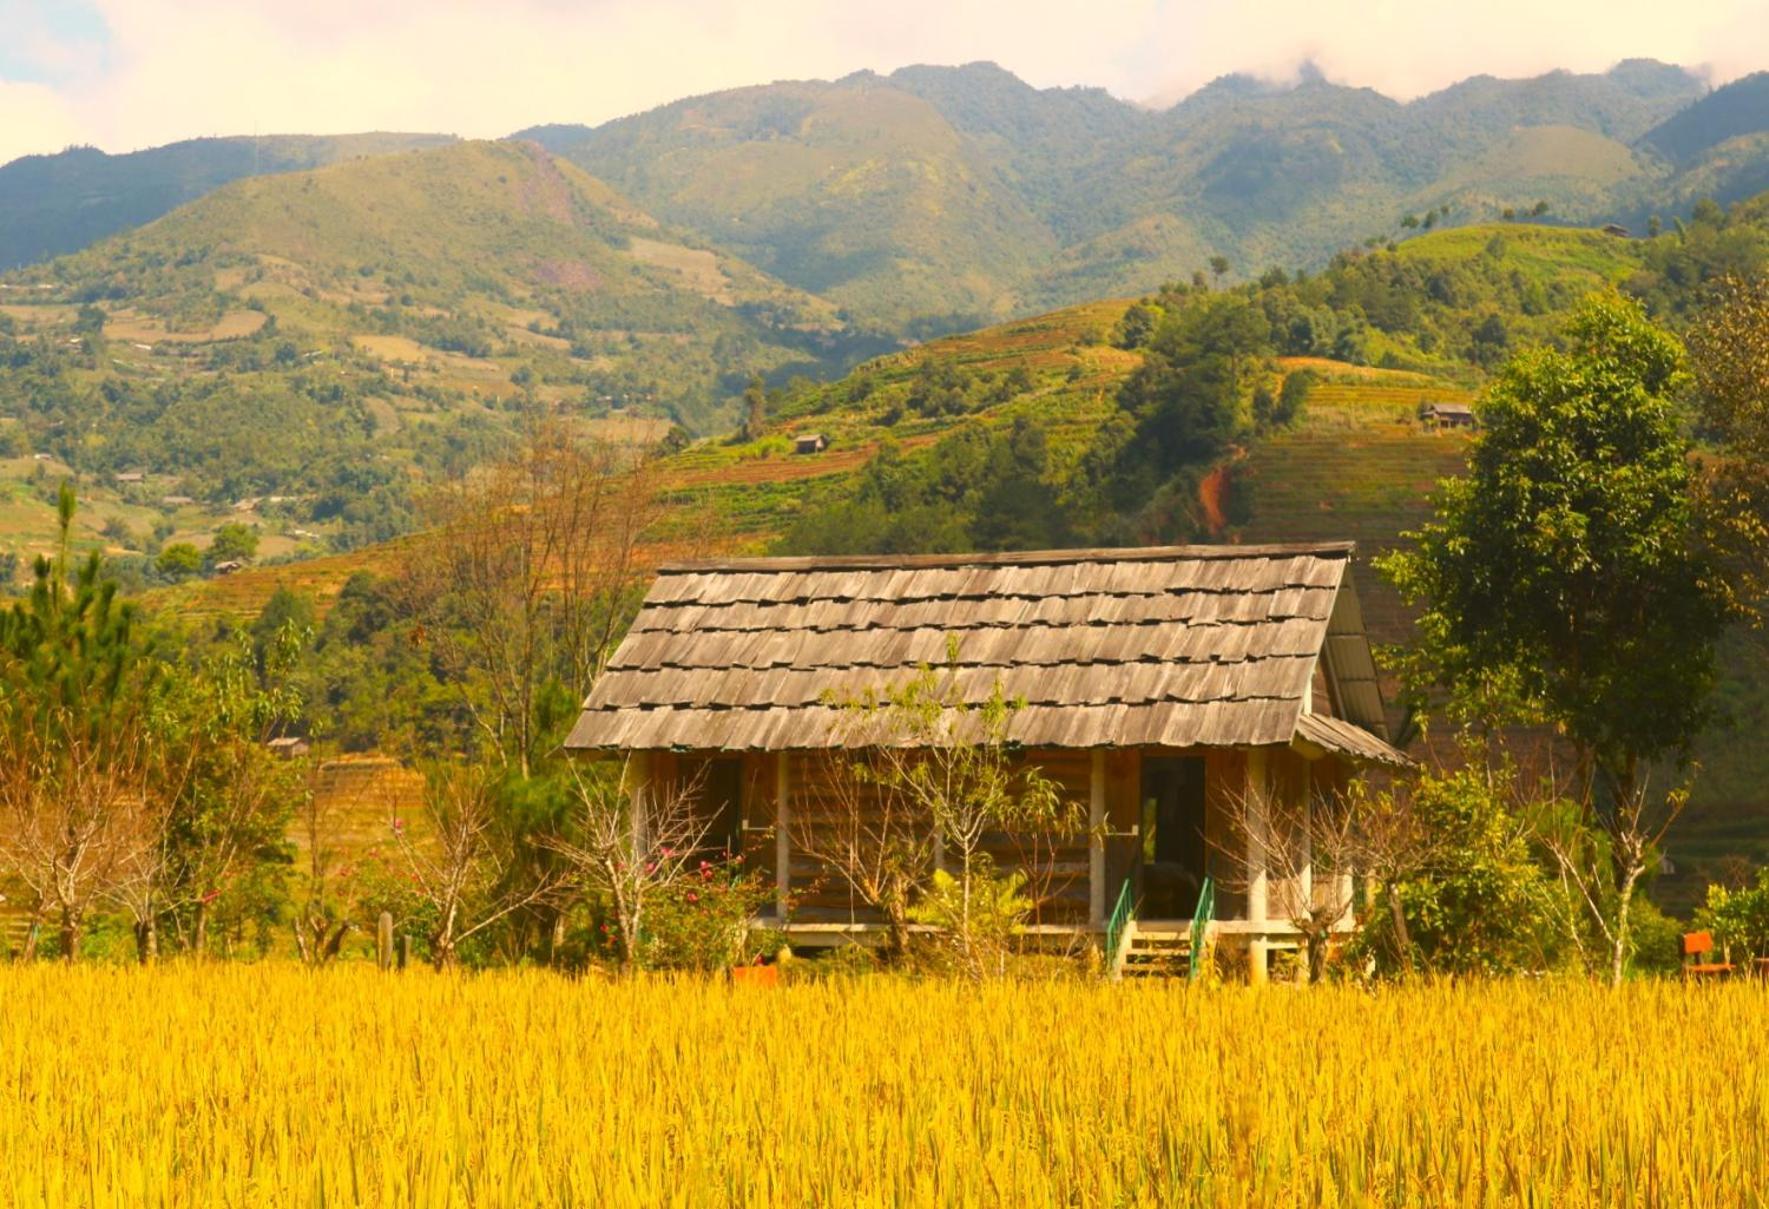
x,y
891,562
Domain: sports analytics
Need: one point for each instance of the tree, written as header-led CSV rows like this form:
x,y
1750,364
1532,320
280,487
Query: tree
x,y
216,800
180,560
465,867
1219,266
116,530
526,580
755,409
75,696
943,751
867,830
1729,346
1566,576
232,542
1189,397
629,840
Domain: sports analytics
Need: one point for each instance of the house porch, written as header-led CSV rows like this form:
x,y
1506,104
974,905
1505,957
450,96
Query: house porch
x,y
1160,822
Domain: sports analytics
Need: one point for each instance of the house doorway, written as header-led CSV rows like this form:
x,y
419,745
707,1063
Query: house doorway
x,y
717,785
1174,858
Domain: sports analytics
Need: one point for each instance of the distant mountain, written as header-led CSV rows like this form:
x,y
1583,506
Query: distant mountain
x,y
938,195
1736,109
50,204
938,198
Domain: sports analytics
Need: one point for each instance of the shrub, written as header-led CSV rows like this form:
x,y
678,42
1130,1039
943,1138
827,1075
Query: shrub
x,y
1739,919
702,922
974,937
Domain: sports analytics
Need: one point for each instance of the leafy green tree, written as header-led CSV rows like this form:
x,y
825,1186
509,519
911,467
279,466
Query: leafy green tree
x,y
1566,576
1476,901
233,541
755,409
1190,397
180,560
1729,346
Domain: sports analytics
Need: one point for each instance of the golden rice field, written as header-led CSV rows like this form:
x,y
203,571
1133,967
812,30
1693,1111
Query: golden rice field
x,y
246,1086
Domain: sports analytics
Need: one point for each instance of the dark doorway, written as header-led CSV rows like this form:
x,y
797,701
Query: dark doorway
x,y
1173,852
719,792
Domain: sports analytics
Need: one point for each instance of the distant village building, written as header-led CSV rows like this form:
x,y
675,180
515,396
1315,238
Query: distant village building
x,y
810,442
130,476
176,501
1446,415
1615,229
289,747
229,566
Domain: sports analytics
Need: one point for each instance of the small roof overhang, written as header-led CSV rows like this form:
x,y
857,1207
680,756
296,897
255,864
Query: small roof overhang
x,y
1318,735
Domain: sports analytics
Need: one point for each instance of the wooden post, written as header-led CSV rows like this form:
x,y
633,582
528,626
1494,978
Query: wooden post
x,y
405,949
1258,821
638,776
384,942
782,835
1096,840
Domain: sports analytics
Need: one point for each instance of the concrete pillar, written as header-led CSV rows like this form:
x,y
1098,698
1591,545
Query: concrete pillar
x,y
1096,840
782,834
1258,821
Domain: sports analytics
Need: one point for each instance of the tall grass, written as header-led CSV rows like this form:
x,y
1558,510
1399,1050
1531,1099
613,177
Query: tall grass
x,y
271,1086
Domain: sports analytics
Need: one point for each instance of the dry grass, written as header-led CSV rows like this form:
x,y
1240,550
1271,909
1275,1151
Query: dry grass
x,y
268,1085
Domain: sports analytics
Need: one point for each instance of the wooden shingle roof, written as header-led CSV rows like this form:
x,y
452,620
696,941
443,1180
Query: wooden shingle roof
x,y
1176,646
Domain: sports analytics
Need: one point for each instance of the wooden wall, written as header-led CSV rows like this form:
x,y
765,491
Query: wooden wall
x,y
819,794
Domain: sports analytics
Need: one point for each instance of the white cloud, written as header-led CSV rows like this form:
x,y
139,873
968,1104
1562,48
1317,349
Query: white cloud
x,y
178,68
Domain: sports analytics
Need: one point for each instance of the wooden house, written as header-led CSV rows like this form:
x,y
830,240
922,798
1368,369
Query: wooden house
x,y
810,442
1447,415
1178,691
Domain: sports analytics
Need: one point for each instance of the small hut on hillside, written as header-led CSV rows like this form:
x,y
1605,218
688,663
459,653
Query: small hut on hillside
x,y
1446,415
1178,691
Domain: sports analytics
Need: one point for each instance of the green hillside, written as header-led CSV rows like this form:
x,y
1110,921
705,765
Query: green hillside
x,y
52,204
296,351
936,195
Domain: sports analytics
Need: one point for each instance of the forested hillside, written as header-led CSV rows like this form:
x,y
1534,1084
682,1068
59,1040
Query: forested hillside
x,y
295,352
51,204
942,198
951,196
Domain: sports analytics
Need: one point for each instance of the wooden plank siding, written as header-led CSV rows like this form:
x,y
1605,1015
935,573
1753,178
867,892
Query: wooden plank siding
x,y
1056,867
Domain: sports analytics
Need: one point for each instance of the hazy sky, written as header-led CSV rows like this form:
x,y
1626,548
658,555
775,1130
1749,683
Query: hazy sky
x,y
131,73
